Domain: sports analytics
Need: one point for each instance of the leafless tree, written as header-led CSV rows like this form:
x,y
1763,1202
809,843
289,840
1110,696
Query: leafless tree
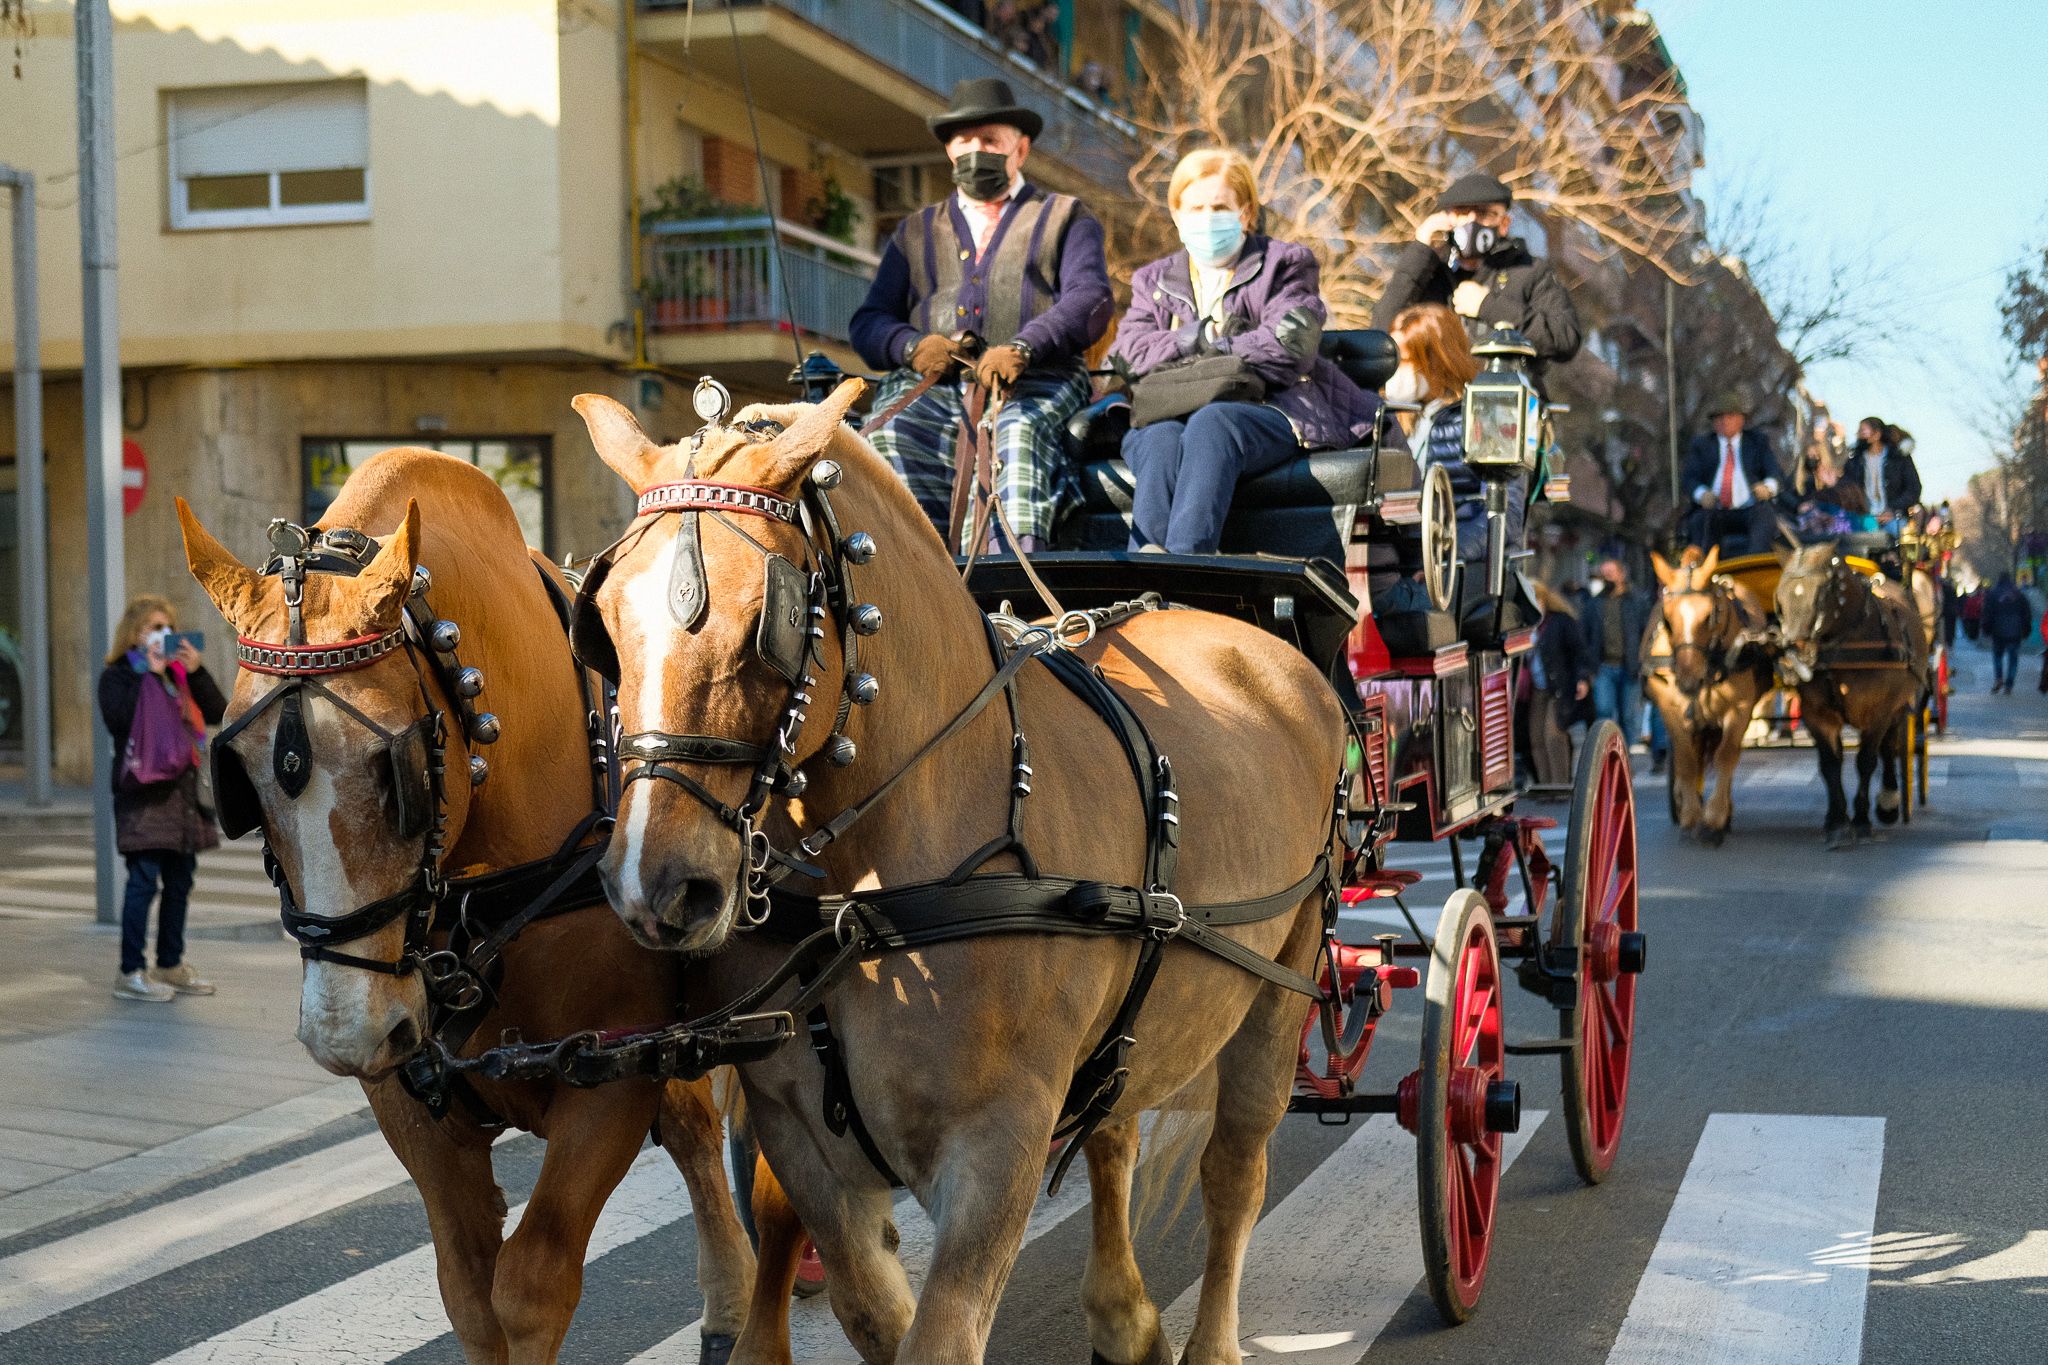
x,y
17,28
1354,113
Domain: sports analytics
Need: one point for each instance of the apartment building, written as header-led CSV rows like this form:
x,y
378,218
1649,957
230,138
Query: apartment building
x,y
347,226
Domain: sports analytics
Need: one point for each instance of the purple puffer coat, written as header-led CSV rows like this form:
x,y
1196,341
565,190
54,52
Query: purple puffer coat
x,y
1328,411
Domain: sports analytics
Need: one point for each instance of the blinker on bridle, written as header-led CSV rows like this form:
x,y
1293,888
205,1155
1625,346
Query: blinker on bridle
x,y
795,603
418,788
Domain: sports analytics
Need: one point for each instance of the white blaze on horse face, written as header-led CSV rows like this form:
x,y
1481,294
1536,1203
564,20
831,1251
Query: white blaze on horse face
x,y
644,598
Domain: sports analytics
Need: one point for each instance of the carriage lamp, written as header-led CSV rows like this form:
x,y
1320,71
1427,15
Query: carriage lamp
x,y
1503,410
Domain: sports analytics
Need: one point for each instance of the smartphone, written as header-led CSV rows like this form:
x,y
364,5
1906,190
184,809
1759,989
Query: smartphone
x,y
197,639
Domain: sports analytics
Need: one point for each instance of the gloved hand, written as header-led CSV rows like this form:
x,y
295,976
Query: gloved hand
x,y
1467,297
1002,364
934,354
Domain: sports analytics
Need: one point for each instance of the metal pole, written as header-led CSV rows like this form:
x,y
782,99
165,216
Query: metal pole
x,y
105,560
31,516
1671,392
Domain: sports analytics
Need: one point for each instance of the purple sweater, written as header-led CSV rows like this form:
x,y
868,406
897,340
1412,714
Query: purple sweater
x,y
1272,279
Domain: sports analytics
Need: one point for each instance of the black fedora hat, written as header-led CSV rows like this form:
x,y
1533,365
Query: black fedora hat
x,y
985,99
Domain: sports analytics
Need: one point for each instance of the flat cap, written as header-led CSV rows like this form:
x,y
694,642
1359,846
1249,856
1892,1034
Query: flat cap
x,y
1476,190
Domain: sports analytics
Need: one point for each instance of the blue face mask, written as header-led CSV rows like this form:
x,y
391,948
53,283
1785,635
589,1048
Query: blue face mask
x,y
1212,238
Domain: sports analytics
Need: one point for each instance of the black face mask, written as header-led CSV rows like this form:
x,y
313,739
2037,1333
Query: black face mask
x,y
982,176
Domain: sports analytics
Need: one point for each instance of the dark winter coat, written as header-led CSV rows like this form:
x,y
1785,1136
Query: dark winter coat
x,y
1272,279
1566,663
164,816
1901,477
1521,291
1635,623
2008,615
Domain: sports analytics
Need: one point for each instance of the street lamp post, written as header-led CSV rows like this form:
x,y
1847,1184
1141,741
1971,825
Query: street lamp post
x,y
31,518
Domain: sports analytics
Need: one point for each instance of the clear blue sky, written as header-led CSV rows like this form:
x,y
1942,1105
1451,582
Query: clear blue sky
x,y
1915,129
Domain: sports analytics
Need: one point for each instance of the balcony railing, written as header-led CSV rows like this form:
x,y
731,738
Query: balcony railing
x,y
716,273
936,48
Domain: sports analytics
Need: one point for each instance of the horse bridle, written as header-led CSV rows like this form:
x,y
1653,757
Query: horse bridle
x,y
1723,606
419,794
796,603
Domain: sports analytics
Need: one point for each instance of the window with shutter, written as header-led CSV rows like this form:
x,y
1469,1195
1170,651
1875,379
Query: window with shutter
x,y
269,155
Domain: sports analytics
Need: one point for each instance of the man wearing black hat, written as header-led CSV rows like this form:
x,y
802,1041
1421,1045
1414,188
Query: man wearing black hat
x,y
1462,257
1003,286
1733,478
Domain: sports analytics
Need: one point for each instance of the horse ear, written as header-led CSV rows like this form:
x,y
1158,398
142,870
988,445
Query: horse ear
x,y
232,585
1708,565
1661,567
808,437
381,588
619,440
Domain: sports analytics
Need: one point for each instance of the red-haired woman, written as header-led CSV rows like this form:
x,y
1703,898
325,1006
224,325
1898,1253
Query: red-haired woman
x,y
1230,289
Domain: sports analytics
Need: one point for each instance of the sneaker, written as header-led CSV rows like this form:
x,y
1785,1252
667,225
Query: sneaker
x,y
138,986
183,979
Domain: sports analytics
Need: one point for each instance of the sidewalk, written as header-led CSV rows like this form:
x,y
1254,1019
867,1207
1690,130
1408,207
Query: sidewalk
x,y
103,1099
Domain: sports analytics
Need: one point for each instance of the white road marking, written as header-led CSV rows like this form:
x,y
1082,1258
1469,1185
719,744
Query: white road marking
x,y
1317,1289
814,1333
391,1309
160,1167
60,1275
1751,1267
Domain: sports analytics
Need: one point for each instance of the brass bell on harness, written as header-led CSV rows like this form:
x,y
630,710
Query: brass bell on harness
x,y
483,728
859,547
865,619
444,637
863,688
841,751
422,581
826,474
469,682
479,769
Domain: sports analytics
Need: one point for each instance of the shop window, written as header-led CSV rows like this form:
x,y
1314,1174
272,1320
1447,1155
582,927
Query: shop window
x,y
269,155
519,465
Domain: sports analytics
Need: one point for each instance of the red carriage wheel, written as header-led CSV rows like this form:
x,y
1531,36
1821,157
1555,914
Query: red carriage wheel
x,y
1597,927
1458,1105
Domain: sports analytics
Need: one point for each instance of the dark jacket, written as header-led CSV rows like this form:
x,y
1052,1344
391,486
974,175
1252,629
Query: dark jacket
x,y
164,816
1521,291
1566,663
1901,478
2008,615
1702,467
1636,607
1067,303
1272,279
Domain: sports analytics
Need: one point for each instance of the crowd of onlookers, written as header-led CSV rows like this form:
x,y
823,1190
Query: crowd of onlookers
x,y
1030,28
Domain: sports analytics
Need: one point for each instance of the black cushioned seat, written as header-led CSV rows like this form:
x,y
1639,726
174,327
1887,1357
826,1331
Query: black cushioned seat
x,y
1322,478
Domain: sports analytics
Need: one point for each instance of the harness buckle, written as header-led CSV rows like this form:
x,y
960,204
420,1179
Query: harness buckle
x,y
1167,932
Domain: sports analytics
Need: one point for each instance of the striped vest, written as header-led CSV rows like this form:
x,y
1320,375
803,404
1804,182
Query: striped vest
x,y
996,295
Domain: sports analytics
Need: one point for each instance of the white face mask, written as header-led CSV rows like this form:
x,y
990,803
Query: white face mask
x,y
1406,386
155,639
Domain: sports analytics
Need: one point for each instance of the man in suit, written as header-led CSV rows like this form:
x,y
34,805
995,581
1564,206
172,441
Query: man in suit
x,y
1021,272
1733,478
1884,471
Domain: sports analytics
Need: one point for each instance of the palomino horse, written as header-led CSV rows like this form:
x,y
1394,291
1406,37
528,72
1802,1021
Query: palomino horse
x,y
1860,654
952,1061
354,835
1708,671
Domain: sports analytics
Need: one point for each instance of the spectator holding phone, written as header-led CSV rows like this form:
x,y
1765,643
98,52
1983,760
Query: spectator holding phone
x,y
157,700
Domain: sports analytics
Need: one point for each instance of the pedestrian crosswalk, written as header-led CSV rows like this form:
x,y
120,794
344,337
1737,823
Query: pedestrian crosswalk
x,y
54,877
1764,1256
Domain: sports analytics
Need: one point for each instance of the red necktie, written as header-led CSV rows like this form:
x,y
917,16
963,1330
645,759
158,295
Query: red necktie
x,y
1727,471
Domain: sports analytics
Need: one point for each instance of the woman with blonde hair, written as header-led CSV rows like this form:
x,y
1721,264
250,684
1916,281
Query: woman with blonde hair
x,y
157,703
1229,291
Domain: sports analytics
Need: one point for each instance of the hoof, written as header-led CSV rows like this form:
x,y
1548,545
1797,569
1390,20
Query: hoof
x,y
1160,1354
1712,837
1888,808
1865,831
1840,838
716,1348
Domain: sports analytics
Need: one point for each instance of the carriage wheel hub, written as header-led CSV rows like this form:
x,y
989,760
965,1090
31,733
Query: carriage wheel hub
x,y
1603,952
1467,1104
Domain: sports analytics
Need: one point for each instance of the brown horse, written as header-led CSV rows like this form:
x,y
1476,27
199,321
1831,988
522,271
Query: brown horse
x,y
1709,672
959,1055
1856,645
339,847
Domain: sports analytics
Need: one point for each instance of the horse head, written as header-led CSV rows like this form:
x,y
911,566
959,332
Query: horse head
x,y
329,747
721,616
1816,593
1700,619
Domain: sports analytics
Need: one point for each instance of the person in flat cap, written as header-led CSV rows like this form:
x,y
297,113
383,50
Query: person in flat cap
x,y
1463,257
1733,478
1002,287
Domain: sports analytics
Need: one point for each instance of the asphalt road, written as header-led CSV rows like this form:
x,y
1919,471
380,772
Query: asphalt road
x,y
1832,1153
